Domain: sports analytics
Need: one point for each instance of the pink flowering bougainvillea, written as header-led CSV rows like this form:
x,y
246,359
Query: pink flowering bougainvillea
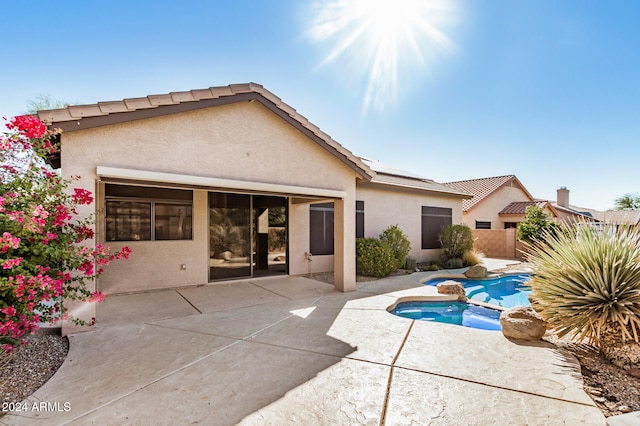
x,y
41,246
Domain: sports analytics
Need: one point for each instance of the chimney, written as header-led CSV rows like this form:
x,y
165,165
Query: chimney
x,y
563,197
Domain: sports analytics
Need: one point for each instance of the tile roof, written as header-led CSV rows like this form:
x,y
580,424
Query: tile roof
x,y
618,217
483,187
578,211
78,117
520,207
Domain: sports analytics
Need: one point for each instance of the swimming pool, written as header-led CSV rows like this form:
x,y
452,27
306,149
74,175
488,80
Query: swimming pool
x,y
450,312
507,291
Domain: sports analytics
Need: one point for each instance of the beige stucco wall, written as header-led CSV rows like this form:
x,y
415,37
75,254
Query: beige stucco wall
x,y
243,141
386,205
488,209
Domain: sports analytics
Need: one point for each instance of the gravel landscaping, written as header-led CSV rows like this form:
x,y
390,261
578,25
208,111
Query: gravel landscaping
x,y
29,367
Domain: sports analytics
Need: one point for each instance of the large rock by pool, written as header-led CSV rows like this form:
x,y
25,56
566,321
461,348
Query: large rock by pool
x,y
522,323
452,287
476,271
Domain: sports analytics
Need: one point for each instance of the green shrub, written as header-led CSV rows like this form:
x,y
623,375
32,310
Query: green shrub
x,y
374,257
587,283
431,265
398,243
536,224
456,240
453,263
410,264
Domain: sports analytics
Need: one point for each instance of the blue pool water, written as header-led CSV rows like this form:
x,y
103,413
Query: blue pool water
x,y
507,291
450,312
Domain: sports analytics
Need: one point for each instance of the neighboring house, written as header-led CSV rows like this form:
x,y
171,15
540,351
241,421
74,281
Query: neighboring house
x,y
231,182
498,202
498,205
567,212
617,217
571,213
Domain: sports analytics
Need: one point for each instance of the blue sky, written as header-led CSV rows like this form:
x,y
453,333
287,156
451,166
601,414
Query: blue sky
x,y
548,90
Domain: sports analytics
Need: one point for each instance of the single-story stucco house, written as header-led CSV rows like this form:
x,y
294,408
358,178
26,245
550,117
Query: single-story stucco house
x,y
231,182
498,202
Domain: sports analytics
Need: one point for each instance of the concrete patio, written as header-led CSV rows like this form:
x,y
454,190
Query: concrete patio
x,y
291,350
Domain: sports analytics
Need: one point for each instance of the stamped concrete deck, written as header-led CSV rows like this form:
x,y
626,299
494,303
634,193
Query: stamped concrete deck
x,y
291,350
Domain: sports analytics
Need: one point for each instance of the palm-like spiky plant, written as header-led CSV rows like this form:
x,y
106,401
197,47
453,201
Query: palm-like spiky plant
x,y
587,283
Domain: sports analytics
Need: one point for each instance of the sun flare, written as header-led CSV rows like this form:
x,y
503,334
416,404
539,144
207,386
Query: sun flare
x,y
381,43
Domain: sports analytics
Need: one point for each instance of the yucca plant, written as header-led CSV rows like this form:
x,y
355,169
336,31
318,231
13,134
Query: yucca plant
x,y
587,284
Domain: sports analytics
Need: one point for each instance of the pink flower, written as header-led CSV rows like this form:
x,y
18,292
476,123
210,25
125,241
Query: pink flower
x,y
124,253
9,241
84,233
39,211
62,215
87,268
97,297
8,311
82,196
50,236
10,263
28,125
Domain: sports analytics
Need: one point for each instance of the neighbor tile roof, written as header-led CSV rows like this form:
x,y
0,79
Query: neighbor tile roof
x,y
520,207
618,217
78,117
482,188
578,211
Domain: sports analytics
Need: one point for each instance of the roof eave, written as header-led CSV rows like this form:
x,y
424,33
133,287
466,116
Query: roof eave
x,y
80,117
417,188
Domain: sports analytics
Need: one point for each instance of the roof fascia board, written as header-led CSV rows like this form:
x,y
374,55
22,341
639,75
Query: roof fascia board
x,y
415,188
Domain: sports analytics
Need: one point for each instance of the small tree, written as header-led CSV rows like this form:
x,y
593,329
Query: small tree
x,y
45,101
628,202
398,243
536,225
456,240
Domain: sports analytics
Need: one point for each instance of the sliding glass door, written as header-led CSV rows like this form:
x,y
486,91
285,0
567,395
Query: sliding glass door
x,y
247,235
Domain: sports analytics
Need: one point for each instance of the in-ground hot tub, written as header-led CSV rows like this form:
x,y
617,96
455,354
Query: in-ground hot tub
x,y
449,312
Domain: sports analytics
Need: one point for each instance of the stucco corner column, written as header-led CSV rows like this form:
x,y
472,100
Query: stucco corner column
x,y
344,265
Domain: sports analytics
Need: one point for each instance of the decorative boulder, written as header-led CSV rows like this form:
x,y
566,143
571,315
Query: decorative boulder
x,y
522,323
452,287
476,271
